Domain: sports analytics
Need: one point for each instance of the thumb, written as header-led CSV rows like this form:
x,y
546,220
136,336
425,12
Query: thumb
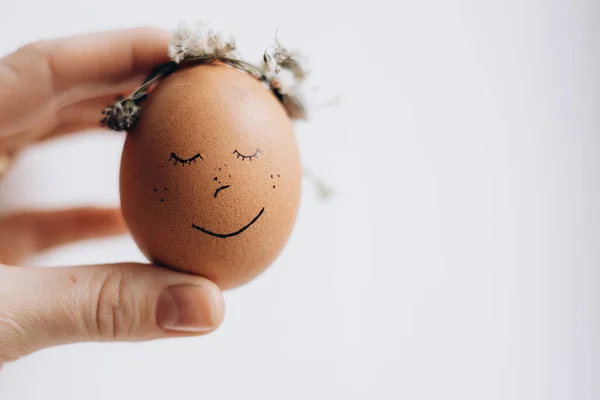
x,y
45,307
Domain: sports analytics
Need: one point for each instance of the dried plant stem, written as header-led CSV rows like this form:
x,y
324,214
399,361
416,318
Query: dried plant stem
x,y
324,190
163,71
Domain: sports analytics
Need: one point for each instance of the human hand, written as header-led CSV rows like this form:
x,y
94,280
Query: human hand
x,y
60,87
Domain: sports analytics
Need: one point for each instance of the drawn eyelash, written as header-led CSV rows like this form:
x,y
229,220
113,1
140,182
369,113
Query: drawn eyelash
x,y
250,157
184,162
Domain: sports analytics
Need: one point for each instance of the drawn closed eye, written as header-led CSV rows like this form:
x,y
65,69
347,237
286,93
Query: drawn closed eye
x,y
184,161
247,157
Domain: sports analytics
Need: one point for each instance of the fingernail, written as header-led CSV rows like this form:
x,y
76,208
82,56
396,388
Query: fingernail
x,y
187,308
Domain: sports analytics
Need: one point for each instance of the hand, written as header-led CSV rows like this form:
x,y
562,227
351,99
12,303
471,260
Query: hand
x,y
59,87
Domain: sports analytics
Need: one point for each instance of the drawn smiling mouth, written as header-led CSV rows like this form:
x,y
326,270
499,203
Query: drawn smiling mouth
x,y
226,235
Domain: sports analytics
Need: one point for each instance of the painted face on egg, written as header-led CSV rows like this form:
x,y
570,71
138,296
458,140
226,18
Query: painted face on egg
x,y
216,181
211,176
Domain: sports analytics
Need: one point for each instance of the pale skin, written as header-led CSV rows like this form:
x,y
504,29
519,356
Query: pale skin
x,y
55,88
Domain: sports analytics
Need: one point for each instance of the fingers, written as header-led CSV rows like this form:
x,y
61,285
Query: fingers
x,y
48,75
24,234
105,58
87,111
102,60
47,307
73,128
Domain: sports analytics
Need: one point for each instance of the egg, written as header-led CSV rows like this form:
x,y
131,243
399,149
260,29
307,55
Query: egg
x,y
210,177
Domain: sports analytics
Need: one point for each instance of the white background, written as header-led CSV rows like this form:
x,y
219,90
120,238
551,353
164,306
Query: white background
x,y
459,259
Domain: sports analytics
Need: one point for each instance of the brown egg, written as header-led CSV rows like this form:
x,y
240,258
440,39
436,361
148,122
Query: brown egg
x,y
211,175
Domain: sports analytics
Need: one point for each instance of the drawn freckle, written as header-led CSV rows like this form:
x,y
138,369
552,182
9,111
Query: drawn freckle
x,y
278,175
155,190
271,176
219,169
273,186
230,176
161,200
215,178
165,189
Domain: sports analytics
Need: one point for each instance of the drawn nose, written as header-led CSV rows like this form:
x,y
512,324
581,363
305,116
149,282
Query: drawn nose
x,y
219,189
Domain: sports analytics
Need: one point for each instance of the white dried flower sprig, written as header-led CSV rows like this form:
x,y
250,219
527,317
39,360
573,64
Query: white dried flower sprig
x,y
200,40
285,72
278,58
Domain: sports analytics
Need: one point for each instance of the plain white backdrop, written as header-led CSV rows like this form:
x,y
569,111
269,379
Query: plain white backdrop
x,y
459,258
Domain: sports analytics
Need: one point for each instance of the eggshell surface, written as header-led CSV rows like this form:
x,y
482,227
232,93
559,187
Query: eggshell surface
x,y
210,177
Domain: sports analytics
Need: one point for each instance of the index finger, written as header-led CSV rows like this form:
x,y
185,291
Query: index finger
x,y
94,63
106,57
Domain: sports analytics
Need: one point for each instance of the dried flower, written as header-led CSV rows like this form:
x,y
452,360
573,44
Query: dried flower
x,y
270,61
176,53
223,42
199,40
122,116
184,31
278,58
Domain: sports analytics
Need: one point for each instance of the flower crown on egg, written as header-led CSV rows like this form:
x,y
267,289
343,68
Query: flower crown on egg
x,y
282,72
